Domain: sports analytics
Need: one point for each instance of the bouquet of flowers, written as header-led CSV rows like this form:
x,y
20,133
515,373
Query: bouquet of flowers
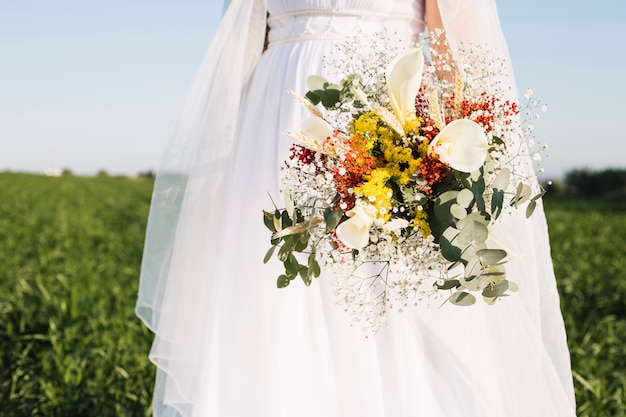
x,y
394,183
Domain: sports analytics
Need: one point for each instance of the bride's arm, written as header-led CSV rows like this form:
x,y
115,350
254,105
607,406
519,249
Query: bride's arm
x,y
434,23
433,16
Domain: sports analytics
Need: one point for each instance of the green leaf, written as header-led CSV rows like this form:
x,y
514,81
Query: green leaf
x,y
443,204
465,198
469,252
268,254
291,266
490,300
496,290
282,281
473,233
316,82
502,180
277,223
464,179
498,141
448,249
497,200
303,271
478,188
482,218
522,194
289,203
285,220
299,244
313,97
462,298
448,284
491,256
530,209
284,251
473,269
314,266
268,219
513,287
458,211
332,218
330,98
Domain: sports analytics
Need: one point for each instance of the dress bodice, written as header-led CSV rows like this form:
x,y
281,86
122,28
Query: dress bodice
x,y
295,20
414,7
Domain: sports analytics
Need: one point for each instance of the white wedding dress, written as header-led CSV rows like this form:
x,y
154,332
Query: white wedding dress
x,y
230,344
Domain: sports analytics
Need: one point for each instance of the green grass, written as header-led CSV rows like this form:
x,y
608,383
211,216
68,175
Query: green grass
x,y
588,247
70,250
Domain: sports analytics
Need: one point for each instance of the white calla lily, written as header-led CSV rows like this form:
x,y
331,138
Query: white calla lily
x,y
404,78
316,128
355,232
462,144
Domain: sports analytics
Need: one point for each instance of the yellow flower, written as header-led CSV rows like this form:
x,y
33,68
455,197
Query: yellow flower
x,y
420,221
376,192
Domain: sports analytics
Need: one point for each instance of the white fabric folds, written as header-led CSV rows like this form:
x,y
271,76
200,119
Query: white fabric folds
x,y
196,163
229,344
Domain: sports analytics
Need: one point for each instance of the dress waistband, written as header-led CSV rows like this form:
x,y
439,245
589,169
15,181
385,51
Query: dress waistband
x,y
305,25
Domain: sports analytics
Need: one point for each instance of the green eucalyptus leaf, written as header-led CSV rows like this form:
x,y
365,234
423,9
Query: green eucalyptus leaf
x,y
458,211
316,82
462,298
469,252
491,256
522,193
496,290
448,284
473,233
465,198
476,216
473,269
268,254
313,97
464,179
530,209
449,250
502,180
330,98
513,287
497,200
478,188
443,204
490,300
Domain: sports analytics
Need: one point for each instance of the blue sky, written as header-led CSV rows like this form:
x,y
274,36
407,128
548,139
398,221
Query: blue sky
x,y
97,85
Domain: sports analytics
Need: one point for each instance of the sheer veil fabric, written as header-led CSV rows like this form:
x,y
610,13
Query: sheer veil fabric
x,y
227,343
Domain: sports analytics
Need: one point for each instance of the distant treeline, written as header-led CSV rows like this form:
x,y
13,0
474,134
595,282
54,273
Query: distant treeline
x,y
609,182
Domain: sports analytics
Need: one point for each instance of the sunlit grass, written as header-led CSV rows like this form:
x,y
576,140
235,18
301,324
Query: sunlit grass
x,y
70,250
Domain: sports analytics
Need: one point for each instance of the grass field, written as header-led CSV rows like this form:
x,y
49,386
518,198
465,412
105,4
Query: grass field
x,y
70,250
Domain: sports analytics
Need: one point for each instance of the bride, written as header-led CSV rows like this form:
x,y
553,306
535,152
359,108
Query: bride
x,y
228,343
